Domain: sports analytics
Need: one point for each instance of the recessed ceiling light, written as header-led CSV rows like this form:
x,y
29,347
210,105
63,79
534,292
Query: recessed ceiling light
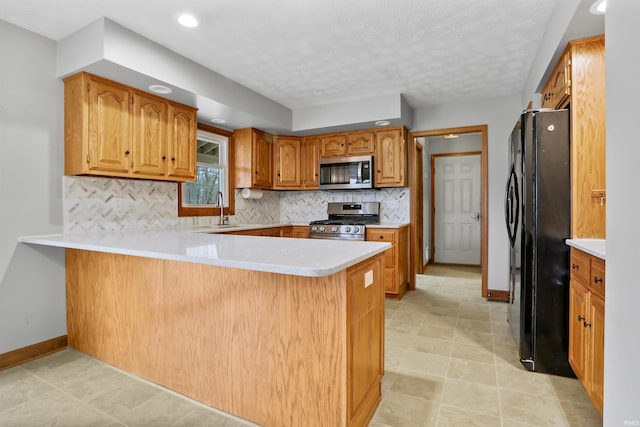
x,y
160,89
450,135
218,121
382,123
599,7
187,20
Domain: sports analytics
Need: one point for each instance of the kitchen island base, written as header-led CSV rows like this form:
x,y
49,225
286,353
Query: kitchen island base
x,y
275,349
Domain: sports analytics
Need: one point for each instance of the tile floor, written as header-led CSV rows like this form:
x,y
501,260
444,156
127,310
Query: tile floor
x,y
450,361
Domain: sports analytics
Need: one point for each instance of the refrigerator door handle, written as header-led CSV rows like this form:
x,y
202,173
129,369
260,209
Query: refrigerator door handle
x,y
512,202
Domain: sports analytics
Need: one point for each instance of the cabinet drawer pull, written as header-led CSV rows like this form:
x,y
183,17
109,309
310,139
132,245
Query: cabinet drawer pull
x,y
575,266
580,318
587,325
597,279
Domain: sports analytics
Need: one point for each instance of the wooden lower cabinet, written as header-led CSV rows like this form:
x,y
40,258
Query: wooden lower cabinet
x,y
395,258
275,349
300,231
269,232
586,326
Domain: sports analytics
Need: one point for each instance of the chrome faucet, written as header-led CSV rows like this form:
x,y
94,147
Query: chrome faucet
x,y
223,219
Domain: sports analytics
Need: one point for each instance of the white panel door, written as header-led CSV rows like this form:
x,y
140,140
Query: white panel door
x,y
457,209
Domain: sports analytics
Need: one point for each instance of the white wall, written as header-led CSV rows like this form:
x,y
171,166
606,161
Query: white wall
x,y
622,340
499,114
32,282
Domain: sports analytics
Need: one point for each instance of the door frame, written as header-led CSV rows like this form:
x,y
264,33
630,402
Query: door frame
x,y
433,193
416,199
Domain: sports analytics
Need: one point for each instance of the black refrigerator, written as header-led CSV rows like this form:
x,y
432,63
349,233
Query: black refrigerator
x,y
538,218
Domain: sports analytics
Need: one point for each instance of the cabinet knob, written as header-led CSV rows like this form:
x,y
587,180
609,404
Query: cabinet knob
x,y
597,279
173,159
164,157
126,152
575,266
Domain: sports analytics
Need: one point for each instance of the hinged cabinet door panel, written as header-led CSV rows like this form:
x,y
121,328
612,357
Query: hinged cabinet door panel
x,y
149,135
109,131
182,142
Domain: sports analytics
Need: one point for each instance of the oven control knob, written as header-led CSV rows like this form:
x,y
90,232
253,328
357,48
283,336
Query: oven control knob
x,y
314,228
356,229
334,229
347,229
322,228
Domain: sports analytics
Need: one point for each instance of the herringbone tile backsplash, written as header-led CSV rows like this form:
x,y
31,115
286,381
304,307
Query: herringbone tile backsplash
x,y
113,204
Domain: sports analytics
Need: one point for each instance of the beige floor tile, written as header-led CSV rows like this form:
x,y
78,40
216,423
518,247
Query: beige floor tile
x,y
18,386
432,345
456,417
203,417
400,410
524,381
569,389
55,408
387,379
425,363
474,352
524,407
63,367
443,332
581,414
477,372
162,410
394,356
415,384
398,340
471,396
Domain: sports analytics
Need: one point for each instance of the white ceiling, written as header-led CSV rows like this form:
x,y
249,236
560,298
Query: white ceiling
x,y
304,53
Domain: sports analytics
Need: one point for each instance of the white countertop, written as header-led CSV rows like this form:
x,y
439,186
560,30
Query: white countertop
x,y
301,257
595,247
388,225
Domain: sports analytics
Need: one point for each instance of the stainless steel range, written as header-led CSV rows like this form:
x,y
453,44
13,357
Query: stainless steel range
x,y
347,221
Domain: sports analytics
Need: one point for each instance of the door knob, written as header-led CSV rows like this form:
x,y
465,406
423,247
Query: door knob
x,y
476,216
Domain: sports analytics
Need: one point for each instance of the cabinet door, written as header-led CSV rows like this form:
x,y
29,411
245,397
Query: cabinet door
x,y
288,153
577,316
310,163
262,159
596,351
366,334
333,145
390,159
109,127
182,142
149,135
360,143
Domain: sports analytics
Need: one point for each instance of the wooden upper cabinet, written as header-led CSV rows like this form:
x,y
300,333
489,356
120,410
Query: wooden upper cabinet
x,y
181,157
390,160
558,88
334,145
360,143
254,158
109,136
288,157
578,83
149,142
115,130
310,163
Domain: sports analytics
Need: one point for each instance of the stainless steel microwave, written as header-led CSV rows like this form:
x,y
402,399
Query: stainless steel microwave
x,y
346,173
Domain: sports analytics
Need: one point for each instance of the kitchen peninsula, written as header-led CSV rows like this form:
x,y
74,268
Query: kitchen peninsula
x,y
279,331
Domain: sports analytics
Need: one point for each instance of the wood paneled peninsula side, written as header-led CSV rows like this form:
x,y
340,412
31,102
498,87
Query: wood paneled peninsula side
x,y
279,331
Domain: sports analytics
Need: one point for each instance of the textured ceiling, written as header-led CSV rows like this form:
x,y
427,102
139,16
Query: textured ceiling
x,y
310,52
